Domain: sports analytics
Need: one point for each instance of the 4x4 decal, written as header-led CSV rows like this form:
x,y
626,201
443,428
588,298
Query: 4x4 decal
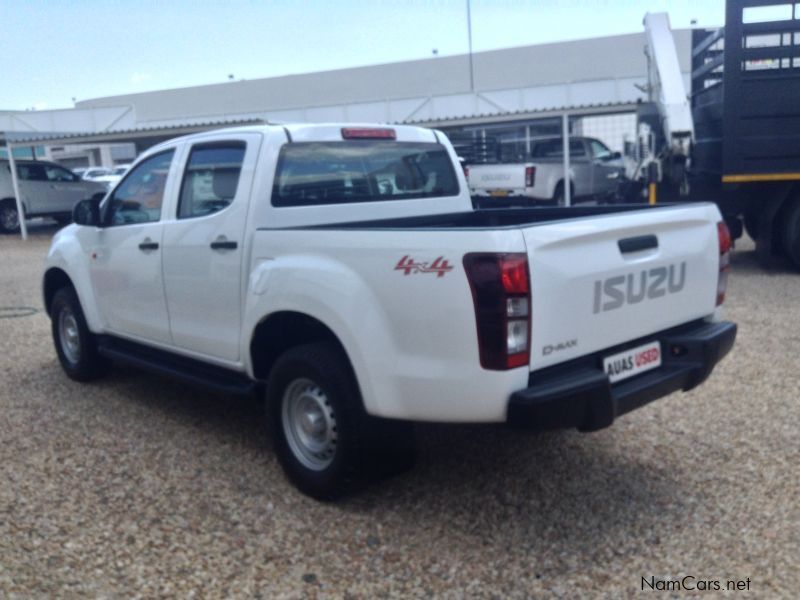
x,y
440,266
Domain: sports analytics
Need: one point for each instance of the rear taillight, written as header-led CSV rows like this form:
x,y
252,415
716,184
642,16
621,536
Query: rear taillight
x,y
368,133
725,244
466,172
501,292
530,176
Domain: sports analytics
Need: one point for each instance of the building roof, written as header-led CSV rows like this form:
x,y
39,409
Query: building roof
x,y
598,71
145,136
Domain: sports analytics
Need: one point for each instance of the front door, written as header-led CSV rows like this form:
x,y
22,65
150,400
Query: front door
x,y
605,168
126,259
204,245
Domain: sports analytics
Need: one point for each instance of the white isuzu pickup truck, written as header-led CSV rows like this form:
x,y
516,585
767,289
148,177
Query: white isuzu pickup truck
x,y
341,272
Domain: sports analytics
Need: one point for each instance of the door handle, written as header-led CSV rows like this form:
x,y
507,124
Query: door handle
x,y
223,245
147,245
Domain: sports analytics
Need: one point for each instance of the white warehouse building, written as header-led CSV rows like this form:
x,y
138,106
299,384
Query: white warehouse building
x,y
512,96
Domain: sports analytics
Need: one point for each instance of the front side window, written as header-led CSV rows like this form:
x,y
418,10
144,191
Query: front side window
x,y
600,151
211,178
55,173
139,197
315,173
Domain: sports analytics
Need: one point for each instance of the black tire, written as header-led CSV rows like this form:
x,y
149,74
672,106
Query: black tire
x,y
751,218
9,216
78,355
558,194
791,232
357,447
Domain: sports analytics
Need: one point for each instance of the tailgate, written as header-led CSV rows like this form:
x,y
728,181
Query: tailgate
x,y
601,281
496,177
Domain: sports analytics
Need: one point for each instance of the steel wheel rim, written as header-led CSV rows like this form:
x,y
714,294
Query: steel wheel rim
x,y
309,424
10,218
69,336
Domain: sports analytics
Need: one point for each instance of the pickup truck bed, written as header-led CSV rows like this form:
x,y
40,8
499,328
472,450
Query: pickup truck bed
x,y
492,217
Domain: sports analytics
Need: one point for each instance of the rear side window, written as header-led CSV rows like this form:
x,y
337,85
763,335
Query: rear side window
x,y
31,172
211,178
314,173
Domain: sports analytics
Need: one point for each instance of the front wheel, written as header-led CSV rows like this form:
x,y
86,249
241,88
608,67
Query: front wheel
x,y
76,346
9,216
324,440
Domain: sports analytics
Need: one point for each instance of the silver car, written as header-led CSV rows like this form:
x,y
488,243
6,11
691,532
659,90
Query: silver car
x,y
47,190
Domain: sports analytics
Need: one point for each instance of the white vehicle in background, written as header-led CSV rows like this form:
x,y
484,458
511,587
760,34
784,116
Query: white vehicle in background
x,y
115,174
595,172
92,173
340,272
47,190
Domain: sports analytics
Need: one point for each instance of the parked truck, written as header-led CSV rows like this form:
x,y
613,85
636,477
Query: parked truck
x,y
341,273
595,172
736,138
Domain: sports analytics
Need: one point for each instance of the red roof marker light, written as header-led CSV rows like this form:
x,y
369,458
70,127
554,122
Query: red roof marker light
x,y
364,133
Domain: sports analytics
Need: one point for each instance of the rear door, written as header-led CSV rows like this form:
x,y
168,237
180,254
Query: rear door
x,y
65,189
600,281
33,187
204,244
581,167
605,168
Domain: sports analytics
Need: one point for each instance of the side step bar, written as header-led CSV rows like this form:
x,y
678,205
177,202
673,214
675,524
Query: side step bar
x,y
189,370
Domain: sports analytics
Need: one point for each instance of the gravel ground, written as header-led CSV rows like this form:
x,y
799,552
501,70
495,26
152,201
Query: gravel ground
x,y
137,486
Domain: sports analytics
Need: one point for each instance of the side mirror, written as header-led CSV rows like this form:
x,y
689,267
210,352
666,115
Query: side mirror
x,y
87,212
615,156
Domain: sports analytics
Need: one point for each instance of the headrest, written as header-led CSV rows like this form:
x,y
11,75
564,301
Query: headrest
x,y
225,182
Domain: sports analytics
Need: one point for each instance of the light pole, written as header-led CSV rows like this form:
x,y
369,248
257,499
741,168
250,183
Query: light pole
x,y
469,36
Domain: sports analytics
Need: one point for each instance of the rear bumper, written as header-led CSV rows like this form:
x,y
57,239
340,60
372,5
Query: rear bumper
x,y
581,396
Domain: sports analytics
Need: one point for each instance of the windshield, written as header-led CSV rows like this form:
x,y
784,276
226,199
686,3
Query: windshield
x,y
311,173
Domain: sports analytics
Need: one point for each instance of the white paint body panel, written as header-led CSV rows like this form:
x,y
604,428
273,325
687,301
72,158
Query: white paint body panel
x,y
411,339
567,259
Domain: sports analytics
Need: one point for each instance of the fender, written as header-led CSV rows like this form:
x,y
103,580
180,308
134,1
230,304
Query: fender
x,y
69,253
335,295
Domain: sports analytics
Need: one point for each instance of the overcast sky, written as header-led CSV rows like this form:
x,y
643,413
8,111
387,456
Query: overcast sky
x,y
54,51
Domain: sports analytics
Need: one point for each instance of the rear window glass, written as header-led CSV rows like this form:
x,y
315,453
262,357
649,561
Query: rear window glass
x,y
313,173
555,149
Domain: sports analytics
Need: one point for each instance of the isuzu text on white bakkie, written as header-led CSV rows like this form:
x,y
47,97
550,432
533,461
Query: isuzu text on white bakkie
x,y
341,271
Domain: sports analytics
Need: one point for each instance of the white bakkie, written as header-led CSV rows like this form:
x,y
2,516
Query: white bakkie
x,y
341,272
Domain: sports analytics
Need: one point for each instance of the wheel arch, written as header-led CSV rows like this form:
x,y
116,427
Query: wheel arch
x,y
283,330
54,279
560,182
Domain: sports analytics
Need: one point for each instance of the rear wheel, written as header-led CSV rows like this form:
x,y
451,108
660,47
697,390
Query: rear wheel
x,y
751,218
791,232
324,440
9,216
76,346
558,194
